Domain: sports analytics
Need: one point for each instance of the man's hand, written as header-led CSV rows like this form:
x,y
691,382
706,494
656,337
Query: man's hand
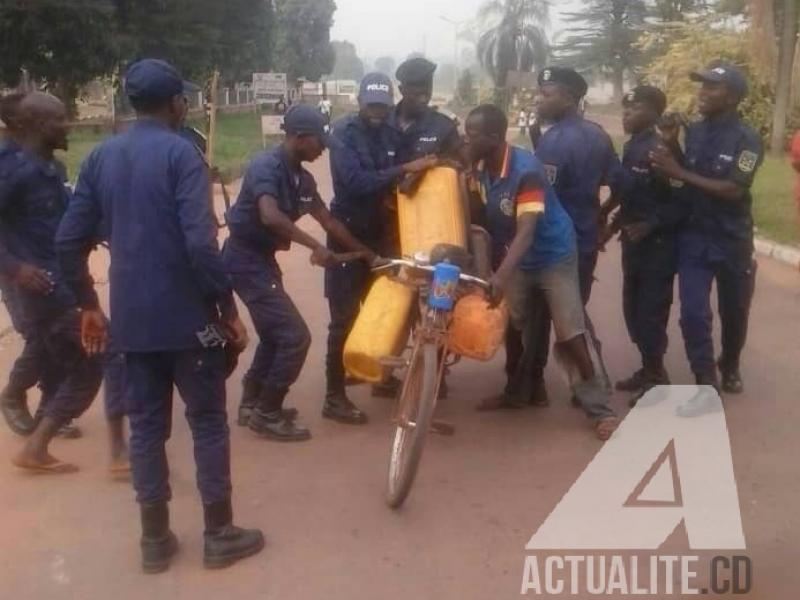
x,y
322,257
664,162
606,232
236,333
33,279
421,164
636,232
94,331
497,288
669,128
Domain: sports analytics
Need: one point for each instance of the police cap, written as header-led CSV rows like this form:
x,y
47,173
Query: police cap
x,y
302,119
723,73
646,94
152,80
415,71
569,78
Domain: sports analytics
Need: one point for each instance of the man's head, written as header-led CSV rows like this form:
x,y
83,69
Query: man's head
x,y
723,88
44,121
560,92
375,99
305,132
642,107
9,112
416,84
155,89
485,129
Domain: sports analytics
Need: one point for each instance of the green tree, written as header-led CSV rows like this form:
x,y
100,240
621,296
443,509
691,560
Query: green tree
x,y
602,38
302,45
515,39
348,65
386,65
62,44
245,43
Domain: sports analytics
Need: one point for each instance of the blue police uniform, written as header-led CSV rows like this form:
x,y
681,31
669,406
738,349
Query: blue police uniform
x,y
249,257
33,198
717,241
649,266
432,133
147,192
364,169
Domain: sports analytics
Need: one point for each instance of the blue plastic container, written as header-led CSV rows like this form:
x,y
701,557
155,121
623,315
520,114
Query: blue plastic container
x,y
443,289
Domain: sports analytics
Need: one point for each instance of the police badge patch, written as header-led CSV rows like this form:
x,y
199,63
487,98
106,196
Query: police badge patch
x,y
507,206
552,173
748,161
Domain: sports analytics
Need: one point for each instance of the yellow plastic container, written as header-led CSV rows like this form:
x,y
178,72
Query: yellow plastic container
x,y
380,330
434,214
477,330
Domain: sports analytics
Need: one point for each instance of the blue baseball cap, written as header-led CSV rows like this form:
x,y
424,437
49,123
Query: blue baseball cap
x,y
152,80
376,88
723,73
302,119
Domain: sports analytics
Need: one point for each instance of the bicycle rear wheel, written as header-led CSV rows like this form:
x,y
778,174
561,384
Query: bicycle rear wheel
x,y
415,413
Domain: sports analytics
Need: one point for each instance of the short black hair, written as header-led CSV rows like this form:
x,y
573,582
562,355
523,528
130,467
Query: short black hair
x,y
8,107
494,119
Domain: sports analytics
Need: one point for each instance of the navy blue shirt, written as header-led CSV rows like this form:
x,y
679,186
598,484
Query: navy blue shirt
x,y
33,198
364,169
522,187
147,192
579,158
8,159
722,148
431,133
270,174
645,195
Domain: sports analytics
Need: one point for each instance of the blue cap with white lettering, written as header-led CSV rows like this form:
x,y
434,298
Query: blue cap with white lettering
x,y
376,88
724,74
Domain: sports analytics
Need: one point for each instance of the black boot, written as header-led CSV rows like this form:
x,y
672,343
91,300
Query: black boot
x,y
634,383
338,407
731,377
268,420
158,543
653,374
224,542
251,388
14,405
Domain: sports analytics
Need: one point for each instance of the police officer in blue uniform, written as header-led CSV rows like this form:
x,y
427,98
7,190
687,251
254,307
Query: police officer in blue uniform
x,y
534,250
365,172
276,192
174,316
648,219
579,159
33,198
722,156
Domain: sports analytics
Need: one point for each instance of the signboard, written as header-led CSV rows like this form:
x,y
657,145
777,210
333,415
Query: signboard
x,y
271,125
269,85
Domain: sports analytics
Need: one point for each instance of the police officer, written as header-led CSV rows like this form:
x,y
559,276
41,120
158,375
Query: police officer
x,y
276,192
33,199
534,250
365,173
648,219
146,190
722,155
579,158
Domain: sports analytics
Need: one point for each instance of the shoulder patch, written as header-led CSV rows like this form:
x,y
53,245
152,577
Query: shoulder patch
x,y
748,161
552,173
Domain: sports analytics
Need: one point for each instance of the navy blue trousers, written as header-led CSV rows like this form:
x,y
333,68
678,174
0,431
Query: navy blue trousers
x,y
114,386
199,376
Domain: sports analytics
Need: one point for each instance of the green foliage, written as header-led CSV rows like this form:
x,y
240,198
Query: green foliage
x,y
348,65
302,45
64,44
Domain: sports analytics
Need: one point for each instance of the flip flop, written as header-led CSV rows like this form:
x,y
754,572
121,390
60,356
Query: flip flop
x,y
54,468
605,428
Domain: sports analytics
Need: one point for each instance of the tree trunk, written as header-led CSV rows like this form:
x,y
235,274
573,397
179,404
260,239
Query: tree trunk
x,y
785,67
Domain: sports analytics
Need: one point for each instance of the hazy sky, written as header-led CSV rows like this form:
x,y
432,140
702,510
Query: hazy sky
x,y
399,27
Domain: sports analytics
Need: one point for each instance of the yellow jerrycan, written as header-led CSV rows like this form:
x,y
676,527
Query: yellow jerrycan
x,y
477,330
433,214
380,330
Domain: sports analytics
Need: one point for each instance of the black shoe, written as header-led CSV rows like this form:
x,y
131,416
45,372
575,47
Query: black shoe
x,y
245,412
338,407
158,543
634,383
70,431
15,411
251,389
387,389
275,426
224,542
653,377
539,395
731,378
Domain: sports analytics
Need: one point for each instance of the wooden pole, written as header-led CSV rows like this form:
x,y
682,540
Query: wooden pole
x,y
212,117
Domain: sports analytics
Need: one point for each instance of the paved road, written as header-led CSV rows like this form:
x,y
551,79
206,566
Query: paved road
x,y
479,497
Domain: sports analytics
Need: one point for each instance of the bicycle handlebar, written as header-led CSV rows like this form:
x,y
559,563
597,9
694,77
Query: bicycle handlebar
x,y
402,262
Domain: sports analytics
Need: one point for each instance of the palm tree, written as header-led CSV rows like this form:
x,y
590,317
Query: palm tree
x,y
515,39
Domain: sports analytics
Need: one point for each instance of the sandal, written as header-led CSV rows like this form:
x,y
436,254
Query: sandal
x,y
605,428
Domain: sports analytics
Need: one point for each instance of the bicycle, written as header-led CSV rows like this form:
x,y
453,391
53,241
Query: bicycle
x,y
438,287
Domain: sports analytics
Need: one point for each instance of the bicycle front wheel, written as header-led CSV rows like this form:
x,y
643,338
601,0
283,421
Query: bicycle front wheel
x,y
415,413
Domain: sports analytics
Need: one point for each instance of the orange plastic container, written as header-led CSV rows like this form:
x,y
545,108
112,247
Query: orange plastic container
x,y
434,214
477,330
381,329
